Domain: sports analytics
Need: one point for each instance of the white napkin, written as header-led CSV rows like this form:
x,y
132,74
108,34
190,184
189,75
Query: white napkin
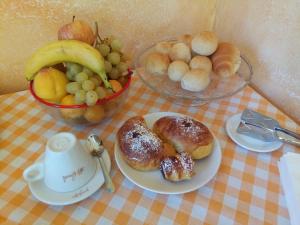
x,y
289,169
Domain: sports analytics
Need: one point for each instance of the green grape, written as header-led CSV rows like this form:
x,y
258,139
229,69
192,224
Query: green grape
x,y
88,85
74,68
100,92
122,67
114,58
72,87
116,45
95,80
108,40
79,77
88,71
114,74
80,97
91,98
70,75
107,66
104,49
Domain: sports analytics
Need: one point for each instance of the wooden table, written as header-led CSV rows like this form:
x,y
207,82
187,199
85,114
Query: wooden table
x,y
246,189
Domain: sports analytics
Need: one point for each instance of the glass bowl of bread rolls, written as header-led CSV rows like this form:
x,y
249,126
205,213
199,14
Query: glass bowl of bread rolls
x,y
193,69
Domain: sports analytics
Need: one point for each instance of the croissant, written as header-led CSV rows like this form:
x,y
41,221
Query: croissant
x,y
226,60
177,168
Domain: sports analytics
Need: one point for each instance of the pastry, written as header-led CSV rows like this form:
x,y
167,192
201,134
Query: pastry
x,y
205,43
195,80
180,51
177,69
186,38
139,146
157,63
201,62
226,60
185,134
177,168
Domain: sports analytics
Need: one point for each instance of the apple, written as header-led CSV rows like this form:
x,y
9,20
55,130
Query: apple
x,y
77,30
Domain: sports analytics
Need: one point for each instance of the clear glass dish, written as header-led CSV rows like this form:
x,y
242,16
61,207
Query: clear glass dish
x,y
218,88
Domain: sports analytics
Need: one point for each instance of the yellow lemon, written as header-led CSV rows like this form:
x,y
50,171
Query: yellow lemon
x,y
50,84
94,113
71,113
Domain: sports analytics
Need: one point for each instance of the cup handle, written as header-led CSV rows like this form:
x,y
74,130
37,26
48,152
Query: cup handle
x,y
34,172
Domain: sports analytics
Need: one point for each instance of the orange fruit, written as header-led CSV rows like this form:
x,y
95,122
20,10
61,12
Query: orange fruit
x,y
116,85
71,113
94,113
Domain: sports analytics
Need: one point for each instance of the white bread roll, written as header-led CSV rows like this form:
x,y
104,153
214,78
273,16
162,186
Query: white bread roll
x,y
177,69
157,63
180,51
205,43
195,80
201,62
163,47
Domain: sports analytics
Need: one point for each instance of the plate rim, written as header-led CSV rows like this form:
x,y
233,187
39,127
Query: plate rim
x,y
217,147
277,144
76,199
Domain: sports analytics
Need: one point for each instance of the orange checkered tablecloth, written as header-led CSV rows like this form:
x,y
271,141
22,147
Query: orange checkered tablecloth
x,y
246,189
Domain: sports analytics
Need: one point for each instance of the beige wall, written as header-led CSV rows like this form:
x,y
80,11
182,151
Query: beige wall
x,y
268,32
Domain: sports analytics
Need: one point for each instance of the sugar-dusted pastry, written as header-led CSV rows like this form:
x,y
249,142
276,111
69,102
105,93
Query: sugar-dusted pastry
x,y
226,60
195,80
205,43
180,51
177,69
157,63
177,168
185,134
139,146
201,62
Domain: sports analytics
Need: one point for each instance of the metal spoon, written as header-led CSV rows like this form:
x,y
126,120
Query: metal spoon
x,y
97,148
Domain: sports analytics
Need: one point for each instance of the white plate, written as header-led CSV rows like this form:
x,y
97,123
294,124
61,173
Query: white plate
x,y
247,142
48,196
205,169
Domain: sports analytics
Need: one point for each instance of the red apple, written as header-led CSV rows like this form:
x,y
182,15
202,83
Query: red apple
x,y
77,30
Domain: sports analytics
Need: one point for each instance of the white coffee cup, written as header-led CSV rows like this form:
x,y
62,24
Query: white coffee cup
x,y
67,166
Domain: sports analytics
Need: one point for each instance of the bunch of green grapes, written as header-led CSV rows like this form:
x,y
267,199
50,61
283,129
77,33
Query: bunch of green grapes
x,y
84,84
115,61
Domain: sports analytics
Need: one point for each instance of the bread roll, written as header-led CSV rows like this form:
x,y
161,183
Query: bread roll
x,y
180,51
139,146
177,168
157,63
205,43
226,60
186,39
201,62
195,80
177,69
185,134
163,47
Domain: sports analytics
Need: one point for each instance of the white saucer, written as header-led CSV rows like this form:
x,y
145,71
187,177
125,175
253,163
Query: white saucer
x,y
205,169
48,196
247,142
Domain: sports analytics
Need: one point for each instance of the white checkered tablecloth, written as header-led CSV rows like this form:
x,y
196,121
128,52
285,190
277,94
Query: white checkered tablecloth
x,y
246,189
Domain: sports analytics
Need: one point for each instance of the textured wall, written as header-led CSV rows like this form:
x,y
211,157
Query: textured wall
x,y
268,32
28,24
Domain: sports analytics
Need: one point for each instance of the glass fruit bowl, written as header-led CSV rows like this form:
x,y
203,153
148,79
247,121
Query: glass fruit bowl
x,y
218,88
83,114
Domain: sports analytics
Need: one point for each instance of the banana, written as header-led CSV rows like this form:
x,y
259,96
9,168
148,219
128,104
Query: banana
x,y
66,51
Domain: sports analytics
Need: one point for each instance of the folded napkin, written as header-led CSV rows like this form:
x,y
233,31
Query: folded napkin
x,y
289,169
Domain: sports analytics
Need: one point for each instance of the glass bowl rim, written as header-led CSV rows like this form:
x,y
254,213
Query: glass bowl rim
x,y
99,102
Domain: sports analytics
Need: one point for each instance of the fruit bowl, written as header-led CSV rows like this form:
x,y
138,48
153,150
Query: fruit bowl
x,y
83,114
218,88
